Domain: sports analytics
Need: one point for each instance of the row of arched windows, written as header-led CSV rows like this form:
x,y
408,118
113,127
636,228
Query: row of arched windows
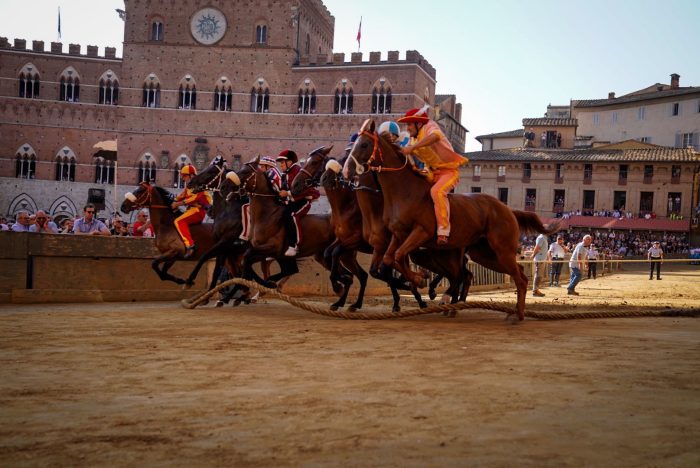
x,y
66,163
222,95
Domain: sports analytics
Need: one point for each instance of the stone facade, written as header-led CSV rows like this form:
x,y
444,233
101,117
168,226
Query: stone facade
x,y
271,56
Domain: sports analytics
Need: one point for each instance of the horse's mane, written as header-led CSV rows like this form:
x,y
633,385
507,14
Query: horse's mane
x,y
167,197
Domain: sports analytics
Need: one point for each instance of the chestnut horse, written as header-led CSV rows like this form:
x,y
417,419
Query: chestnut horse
x,y
268,238
481,223
168,241
358,211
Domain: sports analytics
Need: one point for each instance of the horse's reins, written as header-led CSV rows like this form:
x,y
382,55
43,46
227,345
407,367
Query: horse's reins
x,y
376,155
147,202
251,192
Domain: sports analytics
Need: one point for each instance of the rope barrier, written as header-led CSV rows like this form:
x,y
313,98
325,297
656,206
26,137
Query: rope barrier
x,y
445,308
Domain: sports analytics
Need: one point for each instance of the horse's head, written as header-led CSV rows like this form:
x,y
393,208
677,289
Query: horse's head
x,y
146,195
250,178
210,178
312,169
363,151
331,178
137,199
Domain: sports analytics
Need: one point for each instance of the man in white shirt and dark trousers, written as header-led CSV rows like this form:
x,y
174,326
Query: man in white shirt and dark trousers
x,y
592,262
655,256
556,254
576,262
539,256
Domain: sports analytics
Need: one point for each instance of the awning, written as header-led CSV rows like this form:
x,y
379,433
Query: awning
x,y
106,149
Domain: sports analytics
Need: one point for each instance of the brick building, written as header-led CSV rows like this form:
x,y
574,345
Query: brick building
x,y
194,81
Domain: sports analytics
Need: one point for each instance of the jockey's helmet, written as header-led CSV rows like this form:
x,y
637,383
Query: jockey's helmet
x,y
351,142
390,127
416,115
287,155
267,161
188,169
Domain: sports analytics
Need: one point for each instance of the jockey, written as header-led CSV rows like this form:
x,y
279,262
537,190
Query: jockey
x,y
270,166
431,146
297,207
391,131
197,205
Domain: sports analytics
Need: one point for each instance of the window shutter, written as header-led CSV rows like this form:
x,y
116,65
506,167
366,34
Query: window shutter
x,y
678,140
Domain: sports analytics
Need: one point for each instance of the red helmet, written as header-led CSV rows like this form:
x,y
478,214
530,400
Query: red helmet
x,y
188,169
287,155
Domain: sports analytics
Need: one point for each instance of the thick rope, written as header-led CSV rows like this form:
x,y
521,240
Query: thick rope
x,y
484,305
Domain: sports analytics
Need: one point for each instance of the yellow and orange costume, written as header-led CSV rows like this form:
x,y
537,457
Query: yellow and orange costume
x,y
197,205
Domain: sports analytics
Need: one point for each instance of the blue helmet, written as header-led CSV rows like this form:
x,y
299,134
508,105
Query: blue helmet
x,y
390,127
351,142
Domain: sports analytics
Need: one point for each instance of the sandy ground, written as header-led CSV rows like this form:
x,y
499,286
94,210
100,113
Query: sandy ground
x,y
270,385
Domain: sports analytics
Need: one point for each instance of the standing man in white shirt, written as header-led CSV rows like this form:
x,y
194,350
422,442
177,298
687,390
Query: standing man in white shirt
x,y
576,263
557,252
539,257
592,262
655,255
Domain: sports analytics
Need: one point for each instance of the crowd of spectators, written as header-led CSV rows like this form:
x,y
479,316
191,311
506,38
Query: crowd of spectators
x,y
621,243
41,222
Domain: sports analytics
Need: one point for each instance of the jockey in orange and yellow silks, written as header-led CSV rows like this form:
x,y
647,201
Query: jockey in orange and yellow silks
x,y
431,146
197,205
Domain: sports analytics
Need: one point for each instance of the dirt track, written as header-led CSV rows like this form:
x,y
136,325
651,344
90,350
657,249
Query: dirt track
x,y
269,385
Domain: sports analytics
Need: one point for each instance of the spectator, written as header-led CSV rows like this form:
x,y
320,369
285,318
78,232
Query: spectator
x,y
3,224
23,223
88,224
576,263
142,226
592,262
539,256
557,252
119,227
43,224
655,255
67,226
558,140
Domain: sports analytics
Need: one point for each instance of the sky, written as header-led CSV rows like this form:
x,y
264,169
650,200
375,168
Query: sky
x,y
505,60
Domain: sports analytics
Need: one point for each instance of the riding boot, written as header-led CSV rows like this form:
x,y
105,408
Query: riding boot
x,y
189,251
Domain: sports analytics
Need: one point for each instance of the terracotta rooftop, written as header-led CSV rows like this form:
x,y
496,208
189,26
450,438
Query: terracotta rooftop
x,y
549,122
658,154
508,134
638,96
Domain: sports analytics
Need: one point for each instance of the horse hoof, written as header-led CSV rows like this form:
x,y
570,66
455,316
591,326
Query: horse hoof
x,y
432,294
396,309
334,307
236,303
422,305
352,309
219,303
270,284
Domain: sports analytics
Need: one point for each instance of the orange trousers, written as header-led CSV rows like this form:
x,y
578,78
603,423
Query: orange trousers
x,y
193,215
444,180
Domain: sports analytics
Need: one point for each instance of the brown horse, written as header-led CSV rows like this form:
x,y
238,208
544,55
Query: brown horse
x,y
268,237
357,213
481,223
168,241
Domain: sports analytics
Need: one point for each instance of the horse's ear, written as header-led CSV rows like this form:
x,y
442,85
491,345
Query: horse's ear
x,y
371,126
327,150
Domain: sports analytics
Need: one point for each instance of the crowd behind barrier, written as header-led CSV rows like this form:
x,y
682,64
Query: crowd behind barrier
x,y
44,223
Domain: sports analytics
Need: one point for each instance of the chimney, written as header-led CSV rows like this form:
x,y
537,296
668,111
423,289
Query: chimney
x,y
675,80
611,95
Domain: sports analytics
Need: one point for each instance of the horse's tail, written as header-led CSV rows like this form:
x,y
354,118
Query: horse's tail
x,y
530,223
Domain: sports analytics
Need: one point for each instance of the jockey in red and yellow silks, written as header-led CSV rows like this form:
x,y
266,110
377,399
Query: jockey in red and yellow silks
x,y
197,205
432,147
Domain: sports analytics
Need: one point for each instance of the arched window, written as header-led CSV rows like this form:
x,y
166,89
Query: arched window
x,y
260,97
381,97
65,165
28,82
307,98
147,168
343,98
223,96
151,91
104,171
180,162
25,162
157,30
187,94
261,34
69,86
109,89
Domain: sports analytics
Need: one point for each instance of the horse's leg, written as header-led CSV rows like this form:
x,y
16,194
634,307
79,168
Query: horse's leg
x,y
163,272
288,267
214,251
349,260
504,261
415,239
432,294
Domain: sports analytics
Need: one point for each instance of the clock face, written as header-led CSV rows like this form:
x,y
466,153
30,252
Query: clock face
x,y
208,26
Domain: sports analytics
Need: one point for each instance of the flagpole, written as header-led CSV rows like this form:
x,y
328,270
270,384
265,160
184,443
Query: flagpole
x,y
59,23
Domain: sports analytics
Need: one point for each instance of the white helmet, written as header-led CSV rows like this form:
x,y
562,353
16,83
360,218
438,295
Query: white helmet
x,y
389,127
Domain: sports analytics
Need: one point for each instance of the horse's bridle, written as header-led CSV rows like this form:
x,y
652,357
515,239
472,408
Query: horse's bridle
x,y
147,200
314,180
243,190
220,177
376,156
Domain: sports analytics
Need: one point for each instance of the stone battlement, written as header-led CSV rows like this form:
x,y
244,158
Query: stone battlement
x,y
356,58
57,48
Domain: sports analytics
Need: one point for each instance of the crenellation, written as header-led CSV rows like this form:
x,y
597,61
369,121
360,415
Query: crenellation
x,y
375,57
92,51
338,58
20,44
38,46
110,52
393,56
74,49
356,57
4,43
56,47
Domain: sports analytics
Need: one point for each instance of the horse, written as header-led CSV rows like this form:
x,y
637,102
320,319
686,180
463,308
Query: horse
x,y
358,209
480,222
168,241
268,239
